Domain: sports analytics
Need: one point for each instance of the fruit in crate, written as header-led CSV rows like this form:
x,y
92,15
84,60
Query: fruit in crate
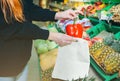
x,y
102,6
92,8
116,45
109,39
93,11
115,11
104,53
83,9
91,41
112,42
112,63
95,47
99,5
107,54
89,8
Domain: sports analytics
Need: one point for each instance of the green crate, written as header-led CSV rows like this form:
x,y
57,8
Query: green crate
x,y
95,30
117,36
108,7
111,1
93,20
81,16
101,72
113,29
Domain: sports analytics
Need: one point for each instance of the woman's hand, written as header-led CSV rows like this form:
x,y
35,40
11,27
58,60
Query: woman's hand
x,y
68,14
61,39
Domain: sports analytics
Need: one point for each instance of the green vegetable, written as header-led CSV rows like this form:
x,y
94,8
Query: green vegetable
x,y
42,48
51,44
38,41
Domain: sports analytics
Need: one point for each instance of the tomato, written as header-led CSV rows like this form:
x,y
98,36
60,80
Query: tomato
x,y
74,30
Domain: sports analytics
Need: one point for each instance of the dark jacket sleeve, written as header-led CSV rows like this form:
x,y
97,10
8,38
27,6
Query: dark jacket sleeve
x,y
39,14
24,30
27,30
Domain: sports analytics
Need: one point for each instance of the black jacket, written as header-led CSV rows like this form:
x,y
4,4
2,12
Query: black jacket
x,y
16,38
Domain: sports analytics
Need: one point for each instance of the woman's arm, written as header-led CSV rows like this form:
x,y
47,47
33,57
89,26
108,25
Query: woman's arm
x,y
37,13
28,31
25,31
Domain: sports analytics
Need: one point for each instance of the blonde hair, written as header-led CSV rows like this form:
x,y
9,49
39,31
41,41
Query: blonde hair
x,y
12,9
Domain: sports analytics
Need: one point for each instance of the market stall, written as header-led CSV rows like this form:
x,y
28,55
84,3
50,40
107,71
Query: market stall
x,y
101,27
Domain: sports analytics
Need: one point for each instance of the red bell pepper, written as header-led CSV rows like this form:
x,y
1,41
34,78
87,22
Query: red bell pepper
x,y
74,30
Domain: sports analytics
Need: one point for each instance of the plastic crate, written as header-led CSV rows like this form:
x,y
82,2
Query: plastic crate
x,y
97,68
108,7
95,30
112,28
117,36
115,29
103,25
111,1
101,72
94,20
106,1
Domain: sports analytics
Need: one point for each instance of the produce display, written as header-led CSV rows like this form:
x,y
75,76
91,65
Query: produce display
x,y
46,75
111,64
91,9
107,54
104,51
109,39
47,62
115,10
112,42
43,46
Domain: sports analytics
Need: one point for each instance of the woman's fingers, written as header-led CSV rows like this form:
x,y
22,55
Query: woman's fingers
x,y
61,39
68,14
